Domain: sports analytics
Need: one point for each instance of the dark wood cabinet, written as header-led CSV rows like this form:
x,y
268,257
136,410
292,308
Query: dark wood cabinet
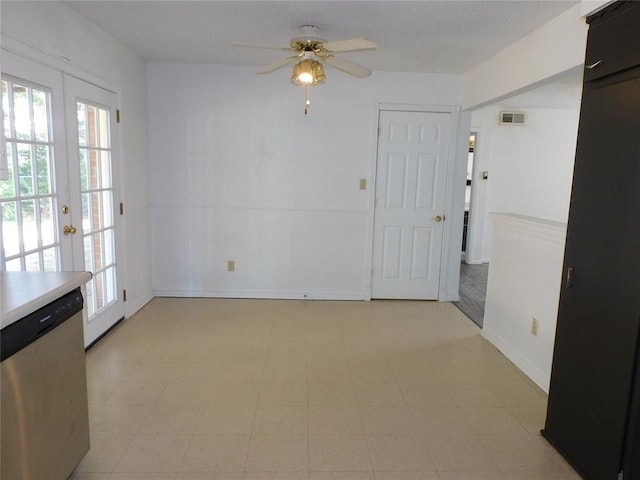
x,y
594,398
614,43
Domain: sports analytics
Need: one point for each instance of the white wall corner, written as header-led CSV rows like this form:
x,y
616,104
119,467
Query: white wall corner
x,y
553,48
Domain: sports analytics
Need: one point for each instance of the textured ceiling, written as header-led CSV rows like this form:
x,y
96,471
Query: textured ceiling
x,y
413,36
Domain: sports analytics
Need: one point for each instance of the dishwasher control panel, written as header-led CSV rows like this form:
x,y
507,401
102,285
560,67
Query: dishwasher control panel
x,y
19,334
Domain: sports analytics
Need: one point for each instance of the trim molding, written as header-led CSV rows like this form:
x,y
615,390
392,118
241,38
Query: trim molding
x,y
531,226
291,295
30,53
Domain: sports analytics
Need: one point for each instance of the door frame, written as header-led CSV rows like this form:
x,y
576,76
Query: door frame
x,y
471,183
453,197
477,213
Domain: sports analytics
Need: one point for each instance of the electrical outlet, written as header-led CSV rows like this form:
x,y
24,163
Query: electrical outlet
x,y
231,266
363,184
534,326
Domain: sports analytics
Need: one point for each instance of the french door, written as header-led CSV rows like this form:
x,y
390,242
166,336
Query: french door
x,y
35,173
93,224
58,200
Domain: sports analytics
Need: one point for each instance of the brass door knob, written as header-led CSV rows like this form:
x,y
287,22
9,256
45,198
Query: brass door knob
x,y
68,229
437,218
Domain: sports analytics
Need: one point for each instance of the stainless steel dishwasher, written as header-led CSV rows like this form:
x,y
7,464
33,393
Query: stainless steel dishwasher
x,y
44,413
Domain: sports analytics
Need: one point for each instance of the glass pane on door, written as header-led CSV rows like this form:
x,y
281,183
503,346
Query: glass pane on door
x,y
28,198
96,189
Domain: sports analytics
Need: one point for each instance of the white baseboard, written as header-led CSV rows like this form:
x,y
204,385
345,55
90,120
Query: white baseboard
x,y
541,379
261,294
474,262
362,296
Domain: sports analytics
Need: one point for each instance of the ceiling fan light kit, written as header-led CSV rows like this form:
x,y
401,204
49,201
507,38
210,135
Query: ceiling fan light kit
x,y
308,73
312,51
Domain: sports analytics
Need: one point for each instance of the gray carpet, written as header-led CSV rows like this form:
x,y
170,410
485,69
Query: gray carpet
x,y
473,290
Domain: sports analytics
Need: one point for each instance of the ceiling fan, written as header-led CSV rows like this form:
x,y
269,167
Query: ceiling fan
x,y
311,50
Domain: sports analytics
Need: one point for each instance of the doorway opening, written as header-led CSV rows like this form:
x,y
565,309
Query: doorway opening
x,y
467,192
473,278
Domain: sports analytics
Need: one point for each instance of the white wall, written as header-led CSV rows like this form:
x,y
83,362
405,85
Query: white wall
x,y
530,167
550,50
524,283
530,175
54,33
519,161
240,173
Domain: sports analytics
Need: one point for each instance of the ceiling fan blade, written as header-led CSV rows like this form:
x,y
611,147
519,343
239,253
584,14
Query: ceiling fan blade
x,y
260,45
347,66
276,65
350,45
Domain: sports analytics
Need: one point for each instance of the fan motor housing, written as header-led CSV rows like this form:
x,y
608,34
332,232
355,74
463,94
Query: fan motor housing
x,y
308,40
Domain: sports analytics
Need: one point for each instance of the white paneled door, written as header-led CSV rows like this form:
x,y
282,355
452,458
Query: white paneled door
x,y
413,149
58,200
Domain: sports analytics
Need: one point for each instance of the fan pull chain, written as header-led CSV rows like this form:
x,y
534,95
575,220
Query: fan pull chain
x,y
306,100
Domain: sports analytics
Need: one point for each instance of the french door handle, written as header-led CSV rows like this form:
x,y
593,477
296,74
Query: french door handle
x,y
69,229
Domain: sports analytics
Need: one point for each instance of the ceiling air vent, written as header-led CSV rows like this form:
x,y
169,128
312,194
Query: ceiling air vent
x,y
512,118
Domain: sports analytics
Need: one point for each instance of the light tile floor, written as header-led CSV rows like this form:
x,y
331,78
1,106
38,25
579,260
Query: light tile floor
x,y
195,389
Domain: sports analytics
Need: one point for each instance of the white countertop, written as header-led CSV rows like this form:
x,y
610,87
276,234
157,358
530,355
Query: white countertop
x,y
22,293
